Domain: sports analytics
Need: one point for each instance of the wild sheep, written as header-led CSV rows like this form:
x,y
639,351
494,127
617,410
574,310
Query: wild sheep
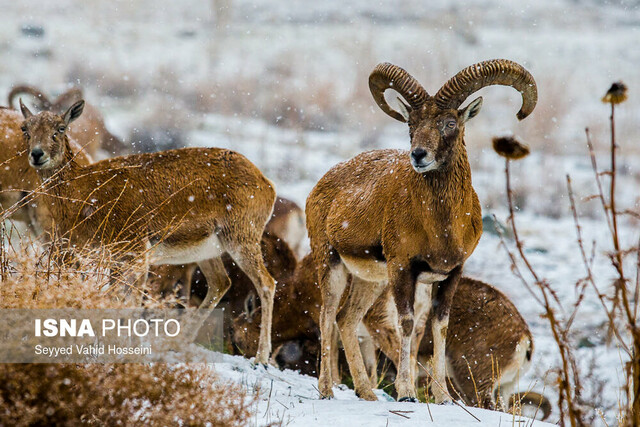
x,y
18,179
394,217
172,207
489,344
89,130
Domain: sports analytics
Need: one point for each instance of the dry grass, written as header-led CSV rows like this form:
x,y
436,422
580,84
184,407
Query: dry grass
x,y
117,394
312,105
127,394
621,308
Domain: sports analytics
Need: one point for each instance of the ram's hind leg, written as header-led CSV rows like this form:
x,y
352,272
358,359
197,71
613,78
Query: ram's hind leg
x,y
249,258
217,285
218,282
332,278
361,297
382,323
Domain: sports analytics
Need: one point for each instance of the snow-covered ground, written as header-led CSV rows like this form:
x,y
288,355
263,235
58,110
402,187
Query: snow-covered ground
x,y
291,399
284,83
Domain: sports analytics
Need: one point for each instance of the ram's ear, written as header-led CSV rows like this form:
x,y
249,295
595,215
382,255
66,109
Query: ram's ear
x,y
472,109
250,305
26,113
404,109
73,112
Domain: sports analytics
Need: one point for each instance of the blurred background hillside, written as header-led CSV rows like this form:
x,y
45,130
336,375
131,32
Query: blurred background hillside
x,y
285,82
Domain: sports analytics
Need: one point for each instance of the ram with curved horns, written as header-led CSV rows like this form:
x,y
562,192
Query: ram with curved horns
x,y
404,219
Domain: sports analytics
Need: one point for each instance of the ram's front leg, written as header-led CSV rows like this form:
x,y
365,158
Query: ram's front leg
x,y
442,306
403,284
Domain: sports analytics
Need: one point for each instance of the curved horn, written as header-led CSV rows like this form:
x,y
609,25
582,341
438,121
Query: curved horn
x,y
493,72
64,100
43,101
388,76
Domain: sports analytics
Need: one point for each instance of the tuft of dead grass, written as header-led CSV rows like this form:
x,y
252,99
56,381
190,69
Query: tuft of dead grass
x,y
34,276
128,394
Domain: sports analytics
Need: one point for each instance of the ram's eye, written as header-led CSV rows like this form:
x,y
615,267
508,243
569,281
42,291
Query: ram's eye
x,y
450,124
61,129
24,129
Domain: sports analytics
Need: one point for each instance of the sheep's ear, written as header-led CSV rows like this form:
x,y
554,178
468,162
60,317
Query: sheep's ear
x,y
403,109
74,111
472,109
250,305
25,111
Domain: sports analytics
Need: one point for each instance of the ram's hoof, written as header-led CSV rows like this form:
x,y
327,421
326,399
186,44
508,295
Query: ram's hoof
x,y
408,399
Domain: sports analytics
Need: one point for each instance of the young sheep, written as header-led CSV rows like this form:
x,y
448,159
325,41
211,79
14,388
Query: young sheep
x,y
489,344
89,129
172,207
392,217
18,179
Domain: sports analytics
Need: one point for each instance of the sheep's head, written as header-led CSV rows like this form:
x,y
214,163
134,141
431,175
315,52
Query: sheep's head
x,y
436,123
45,135
246,327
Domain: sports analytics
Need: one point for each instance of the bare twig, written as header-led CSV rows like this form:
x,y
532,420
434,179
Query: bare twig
x,y
587,265
444,389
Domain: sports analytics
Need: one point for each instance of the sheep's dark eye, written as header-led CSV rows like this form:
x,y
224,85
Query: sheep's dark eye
x,y
61,129
24,129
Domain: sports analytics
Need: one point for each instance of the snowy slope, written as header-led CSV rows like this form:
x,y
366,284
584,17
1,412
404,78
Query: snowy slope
x,y
292,399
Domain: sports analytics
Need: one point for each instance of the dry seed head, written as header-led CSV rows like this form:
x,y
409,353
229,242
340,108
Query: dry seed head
x,y
616,94
510,148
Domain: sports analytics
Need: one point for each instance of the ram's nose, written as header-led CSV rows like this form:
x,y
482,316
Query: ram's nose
x,y
418,155
36,155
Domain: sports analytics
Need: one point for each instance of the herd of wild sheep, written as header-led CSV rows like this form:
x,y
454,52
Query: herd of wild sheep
x,y
389,230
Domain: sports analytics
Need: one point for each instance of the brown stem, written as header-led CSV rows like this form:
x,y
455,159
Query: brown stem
x,y
568,390
596,172
585,261
635,378
513,224
612,198
633,417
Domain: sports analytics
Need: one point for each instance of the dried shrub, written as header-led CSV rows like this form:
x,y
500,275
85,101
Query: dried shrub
x,y
128,395
116,84
116,394
34,276
621,309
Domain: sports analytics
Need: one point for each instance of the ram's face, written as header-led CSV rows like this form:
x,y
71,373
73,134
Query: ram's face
x,y
434,133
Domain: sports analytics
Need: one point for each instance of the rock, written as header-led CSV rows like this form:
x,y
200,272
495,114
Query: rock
x,y
585,342
32,30
493,226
